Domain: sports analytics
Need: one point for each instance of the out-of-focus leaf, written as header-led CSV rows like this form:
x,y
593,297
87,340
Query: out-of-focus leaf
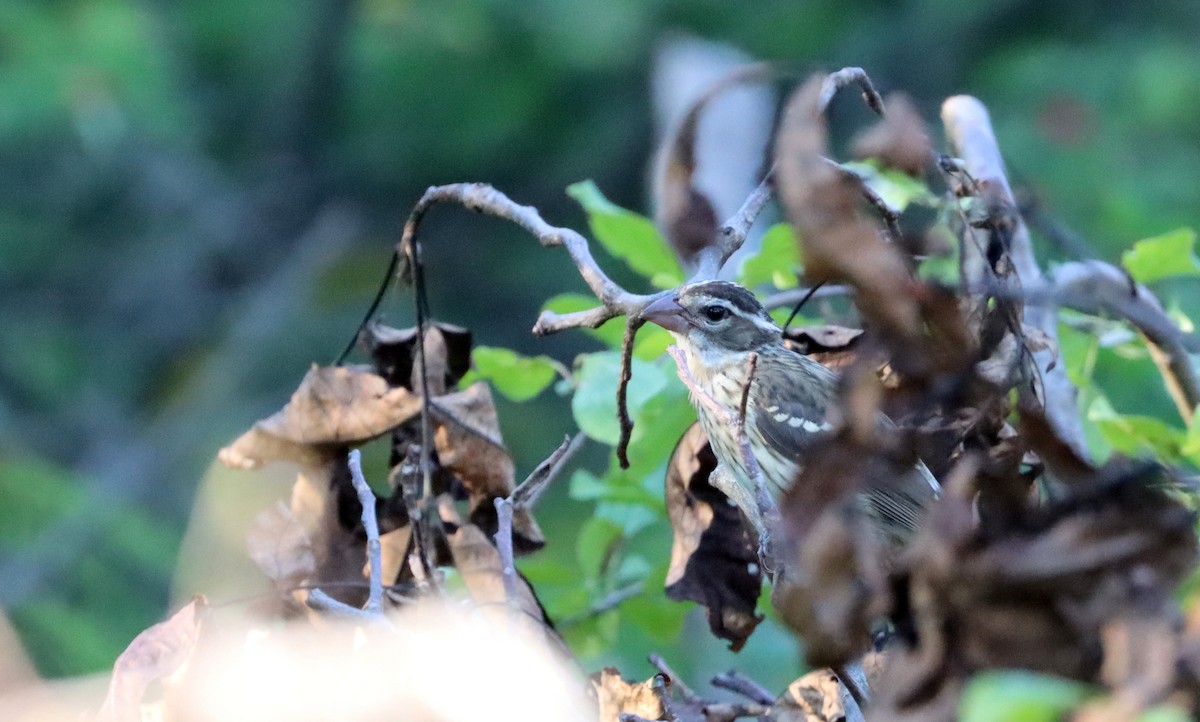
x,y
611,332
627,235
586,486
1163,713
596,538
899,140
815,696
152,655
616,697
279,545
595,401
1016,696
518,377
1134,435
333,407
777,263
897,189
1171,254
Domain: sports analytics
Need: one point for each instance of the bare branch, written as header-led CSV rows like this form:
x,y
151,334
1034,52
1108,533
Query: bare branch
x,y
970,132
728,711
676,681
1094,286
737,682
632,325
793,296
374,549
483,198
891,217
504,545
529,491
605,605
844,78
732,233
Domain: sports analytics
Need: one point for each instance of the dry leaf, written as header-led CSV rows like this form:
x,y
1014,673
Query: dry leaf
x,y
815,697
714,560
152,655
334,407
899,140
647,700
281,547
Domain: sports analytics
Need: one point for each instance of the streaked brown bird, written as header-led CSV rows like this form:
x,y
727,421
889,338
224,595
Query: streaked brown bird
x,y
720,327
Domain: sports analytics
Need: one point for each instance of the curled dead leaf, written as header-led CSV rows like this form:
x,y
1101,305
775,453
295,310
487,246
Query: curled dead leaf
x,y
617,697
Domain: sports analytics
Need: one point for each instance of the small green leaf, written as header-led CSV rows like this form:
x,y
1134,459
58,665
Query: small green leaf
x,y
628,236
777,262
518,377
1017,696
1171,254
594,544
1136,435
610,332
594,404
1163,713
897,189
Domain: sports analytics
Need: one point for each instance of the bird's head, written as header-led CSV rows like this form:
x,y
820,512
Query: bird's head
x,y
715,316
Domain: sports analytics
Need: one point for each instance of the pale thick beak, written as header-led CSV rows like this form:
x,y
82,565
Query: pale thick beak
x,y
667,312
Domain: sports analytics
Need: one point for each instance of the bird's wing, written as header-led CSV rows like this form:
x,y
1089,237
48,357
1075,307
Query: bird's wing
x,y
790,397
792,415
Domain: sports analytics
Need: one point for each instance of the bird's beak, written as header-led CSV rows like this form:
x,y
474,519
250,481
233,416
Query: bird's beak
x,y
667,312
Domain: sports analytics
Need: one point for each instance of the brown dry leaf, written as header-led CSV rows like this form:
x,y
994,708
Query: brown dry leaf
x,y
333,408
393,353
899,140
478,562
647,700
815,697
821,203
152,655
281,547
714,560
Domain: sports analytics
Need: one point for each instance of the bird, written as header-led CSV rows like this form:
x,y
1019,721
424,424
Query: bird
x,y
726,340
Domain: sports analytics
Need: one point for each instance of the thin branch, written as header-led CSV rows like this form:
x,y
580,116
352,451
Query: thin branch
x,y
737,682
891,217
504,545
605,605
483,198
732,233
970,132
676,681
632,325
371,525
529,491
322,602
1094,286
793,296
729,711
844,78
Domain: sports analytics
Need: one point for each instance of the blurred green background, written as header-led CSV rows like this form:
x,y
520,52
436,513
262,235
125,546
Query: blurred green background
x,y
198,199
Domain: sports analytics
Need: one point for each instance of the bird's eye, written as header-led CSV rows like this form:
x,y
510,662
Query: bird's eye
x,y
715,313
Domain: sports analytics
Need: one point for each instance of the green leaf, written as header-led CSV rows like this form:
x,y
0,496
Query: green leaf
x,y
897,189
611,332
594,544
1163,713
628,236
1171,254
1136,435
594,404
518,377
586,486
777,262
1017,696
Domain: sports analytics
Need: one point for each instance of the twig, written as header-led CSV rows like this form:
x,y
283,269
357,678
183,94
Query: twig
x,y
891,217
970,132
737,682
632,324
529,491
1092,286
483,198
504,545
732,233
793,296
729,711
853,678
605,605
374,549
661,665
844,78
322,602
